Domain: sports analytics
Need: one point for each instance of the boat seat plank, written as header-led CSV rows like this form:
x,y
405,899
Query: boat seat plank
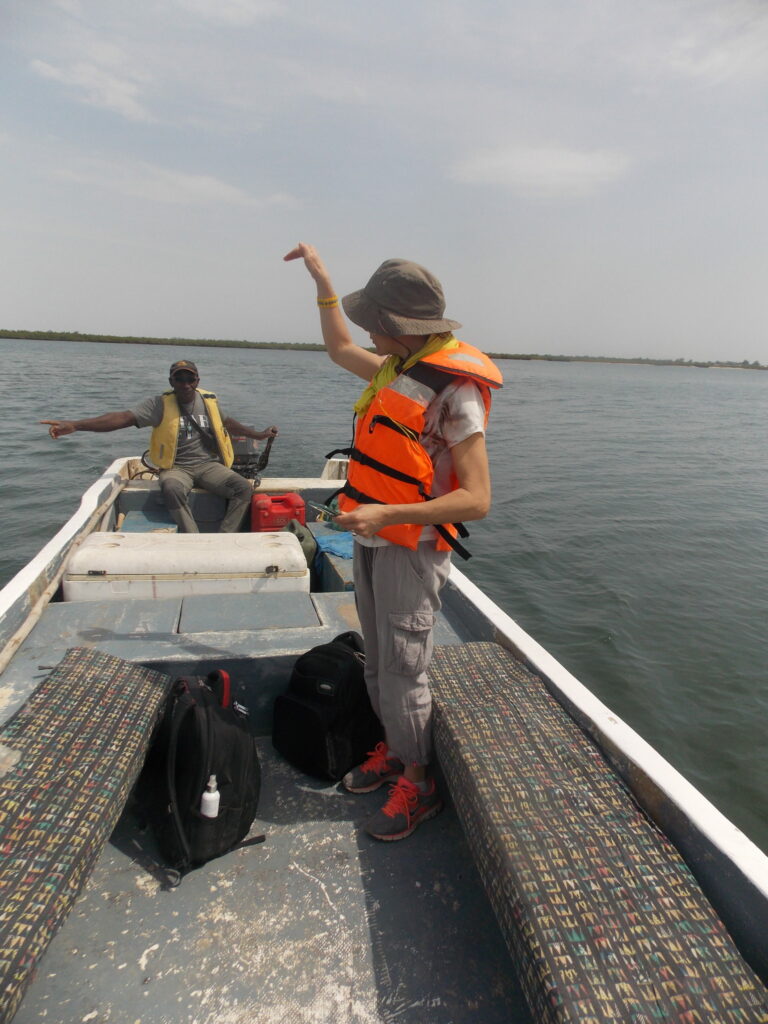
x,y
84,623
71,756
232,612
602,916
126,628
153,520
144,496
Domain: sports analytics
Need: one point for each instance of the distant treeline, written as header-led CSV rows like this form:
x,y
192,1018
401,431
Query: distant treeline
x,y
701,363
111,339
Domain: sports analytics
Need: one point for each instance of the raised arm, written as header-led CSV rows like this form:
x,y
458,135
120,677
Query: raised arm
x,y
98,425
240,430
338,341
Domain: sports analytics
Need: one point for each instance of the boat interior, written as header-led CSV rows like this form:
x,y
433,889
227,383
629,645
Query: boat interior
x,y
542,891
318,922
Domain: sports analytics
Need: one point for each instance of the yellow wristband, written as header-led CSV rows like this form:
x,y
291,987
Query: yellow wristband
x,y
328,303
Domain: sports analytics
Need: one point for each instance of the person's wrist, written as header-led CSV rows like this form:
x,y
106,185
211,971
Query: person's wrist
x,y
325,289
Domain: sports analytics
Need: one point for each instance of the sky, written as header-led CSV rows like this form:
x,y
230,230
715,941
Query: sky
x,y
585,177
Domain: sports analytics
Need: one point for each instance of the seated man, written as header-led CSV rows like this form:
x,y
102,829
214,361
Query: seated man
x,y
190,445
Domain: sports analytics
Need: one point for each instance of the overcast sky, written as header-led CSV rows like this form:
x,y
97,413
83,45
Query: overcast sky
x,y
584,176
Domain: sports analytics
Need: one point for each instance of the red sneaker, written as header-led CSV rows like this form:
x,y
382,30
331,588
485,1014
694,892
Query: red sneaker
x,y
373,772
405,809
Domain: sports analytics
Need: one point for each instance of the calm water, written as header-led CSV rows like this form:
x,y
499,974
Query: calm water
x,y
628,535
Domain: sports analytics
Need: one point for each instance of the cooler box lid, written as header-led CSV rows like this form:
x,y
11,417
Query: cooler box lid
x,y
182,556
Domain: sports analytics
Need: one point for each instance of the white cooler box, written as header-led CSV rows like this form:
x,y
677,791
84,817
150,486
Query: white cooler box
x,y
110,566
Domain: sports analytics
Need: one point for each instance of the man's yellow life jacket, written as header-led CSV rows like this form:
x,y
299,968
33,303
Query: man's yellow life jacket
x,y
165,437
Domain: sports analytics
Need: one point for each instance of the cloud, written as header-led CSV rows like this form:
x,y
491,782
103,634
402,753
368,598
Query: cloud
x,y
73,7
232,12
159,185
547,172
705,41
729,44
98,87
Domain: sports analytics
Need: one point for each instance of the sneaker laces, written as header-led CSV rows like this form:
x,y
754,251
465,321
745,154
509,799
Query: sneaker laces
x,y
376,760
403,799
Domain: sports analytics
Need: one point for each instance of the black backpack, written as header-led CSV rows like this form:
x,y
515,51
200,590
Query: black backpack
x,y
324,724
202,733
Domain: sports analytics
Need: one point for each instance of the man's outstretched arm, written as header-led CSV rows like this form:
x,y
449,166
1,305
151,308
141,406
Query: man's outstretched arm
x,y
98,425
240,430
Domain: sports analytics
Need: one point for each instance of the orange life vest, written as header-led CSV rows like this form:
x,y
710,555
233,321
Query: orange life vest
x,y
388,465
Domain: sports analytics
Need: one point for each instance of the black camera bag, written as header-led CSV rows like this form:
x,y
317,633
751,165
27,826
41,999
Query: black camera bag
x,y
324,723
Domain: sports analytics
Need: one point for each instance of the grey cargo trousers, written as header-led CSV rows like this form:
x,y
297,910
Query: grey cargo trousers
x,y
397,596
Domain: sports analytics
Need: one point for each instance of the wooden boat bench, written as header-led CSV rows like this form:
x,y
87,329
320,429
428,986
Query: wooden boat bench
x,y
68,760
603,918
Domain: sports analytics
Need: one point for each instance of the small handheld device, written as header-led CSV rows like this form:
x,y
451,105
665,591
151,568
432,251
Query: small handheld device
x,y
323,510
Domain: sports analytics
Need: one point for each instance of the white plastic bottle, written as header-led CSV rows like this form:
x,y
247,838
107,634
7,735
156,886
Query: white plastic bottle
x,y
209,802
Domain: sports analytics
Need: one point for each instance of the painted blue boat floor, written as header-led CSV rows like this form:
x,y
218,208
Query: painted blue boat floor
x,y
230,612
317,924
171,634
148,521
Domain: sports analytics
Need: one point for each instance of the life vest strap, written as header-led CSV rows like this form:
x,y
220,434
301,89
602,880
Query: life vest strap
x,y
365,499
356,455
434,377
359,496
457,546
338,451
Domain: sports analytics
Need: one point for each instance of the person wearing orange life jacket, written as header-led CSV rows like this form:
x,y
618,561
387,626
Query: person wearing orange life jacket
x,y
418,465
190,445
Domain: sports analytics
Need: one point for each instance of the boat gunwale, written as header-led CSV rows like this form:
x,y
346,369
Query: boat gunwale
x,y
619,738
707,840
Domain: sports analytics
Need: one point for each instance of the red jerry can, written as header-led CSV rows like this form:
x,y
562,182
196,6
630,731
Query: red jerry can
x,y
274,511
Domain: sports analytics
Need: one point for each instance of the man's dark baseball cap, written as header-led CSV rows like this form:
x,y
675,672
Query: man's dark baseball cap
x,y
183,364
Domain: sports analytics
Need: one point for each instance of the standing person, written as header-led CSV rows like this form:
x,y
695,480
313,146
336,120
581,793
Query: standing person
x,y
190,445
417,466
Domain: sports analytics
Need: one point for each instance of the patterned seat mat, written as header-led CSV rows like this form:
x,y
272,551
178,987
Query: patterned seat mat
x,y
69,758
604,919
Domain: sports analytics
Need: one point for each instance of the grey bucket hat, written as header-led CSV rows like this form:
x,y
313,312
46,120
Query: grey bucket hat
x,y
400,298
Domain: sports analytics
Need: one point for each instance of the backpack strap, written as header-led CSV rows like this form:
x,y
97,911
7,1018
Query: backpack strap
x,y
184,704
219,682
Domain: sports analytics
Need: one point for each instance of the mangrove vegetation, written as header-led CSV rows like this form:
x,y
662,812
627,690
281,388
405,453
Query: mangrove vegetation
x,y
112,339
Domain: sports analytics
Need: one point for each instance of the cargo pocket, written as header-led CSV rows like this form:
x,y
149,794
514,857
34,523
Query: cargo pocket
x,y
411,633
